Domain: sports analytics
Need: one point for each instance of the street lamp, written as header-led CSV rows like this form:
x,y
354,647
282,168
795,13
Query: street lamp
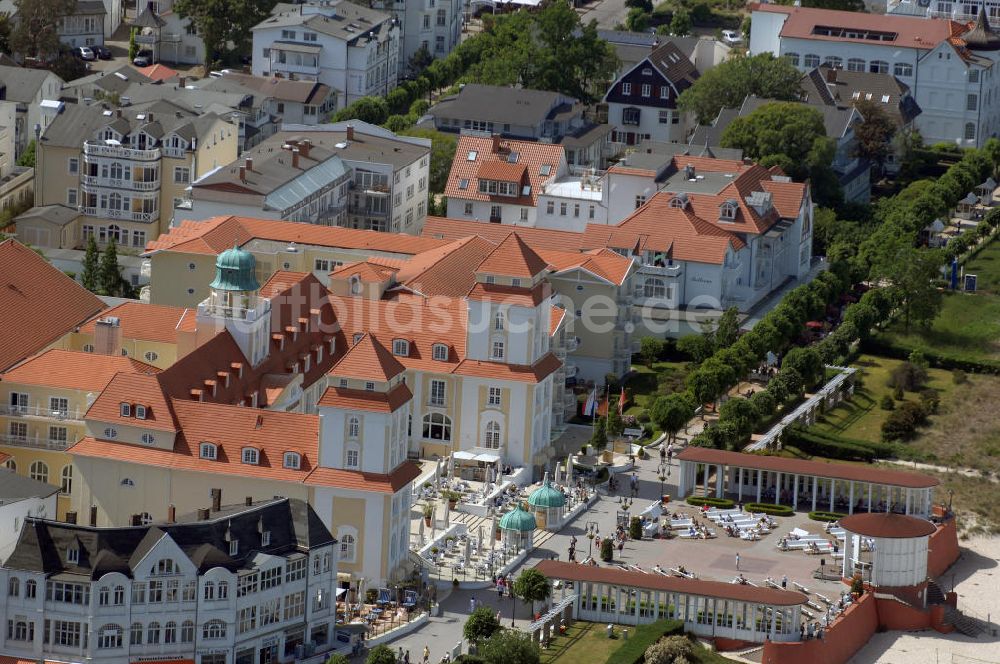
x,y
592,532
513,604
662,476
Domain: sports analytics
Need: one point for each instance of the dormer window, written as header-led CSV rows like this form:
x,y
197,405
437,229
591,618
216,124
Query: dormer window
x,y
292,460
140,412
498,187
400,347
679,201
125,409
234,547
73,555
208,451
728,210
250,456
265,538
355,285
357,337
439,352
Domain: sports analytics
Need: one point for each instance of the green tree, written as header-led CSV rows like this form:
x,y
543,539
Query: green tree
x,y
636,20
788,130
27,157
726,328
381,654
373,110
671,413
420,60
841,5
913,274
133,46
480,625
650,349
616,425
442,153
635,528
607,550
109,275
807,362
669,650
705,385
88,277
599,437
727,85
221,22
698,347
67,66
644,5
511,646
680,22
875,134
5,32
36,30
740,413
337,658
532,586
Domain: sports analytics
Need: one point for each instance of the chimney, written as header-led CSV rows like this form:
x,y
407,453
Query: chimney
x,y
243,173
689,172
203,514
831,75
171,514
350,132
496,143
295,157
71,518
249,164
108,336
93,515
149,117
118,112
305,146
216,500
249,501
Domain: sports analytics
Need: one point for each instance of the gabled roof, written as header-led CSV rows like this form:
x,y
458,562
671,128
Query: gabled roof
x,y
448,270
352,399
825,86
675,66
147,322
365,271
38,303
601,263
446,228
513,258
73,370
368,360
494,158
23,83
502,105
158,72
390,483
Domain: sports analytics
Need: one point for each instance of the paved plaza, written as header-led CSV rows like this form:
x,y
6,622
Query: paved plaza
x,y
708,559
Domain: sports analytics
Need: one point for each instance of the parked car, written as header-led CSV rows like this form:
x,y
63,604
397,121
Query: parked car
x,y
84,53
103,52
143,59
732,37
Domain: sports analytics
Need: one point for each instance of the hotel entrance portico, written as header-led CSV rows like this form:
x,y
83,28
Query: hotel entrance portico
x,y
707,608
801,484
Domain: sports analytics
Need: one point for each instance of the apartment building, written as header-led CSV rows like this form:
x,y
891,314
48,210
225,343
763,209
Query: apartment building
x,y
527,115
353,49
166,34
44,402
948,66
434,25
349,174
126,169
226,585
27,90
21,498
85,26
288,102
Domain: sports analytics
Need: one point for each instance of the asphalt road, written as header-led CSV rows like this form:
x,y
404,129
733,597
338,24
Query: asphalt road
x,y
607,13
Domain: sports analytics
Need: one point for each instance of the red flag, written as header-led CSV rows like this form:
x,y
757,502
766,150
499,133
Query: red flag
x,y
621,402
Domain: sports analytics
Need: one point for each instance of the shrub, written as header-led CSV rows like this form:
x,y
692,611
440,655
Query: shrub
x,y
902,423
887,403
607,550
828,517
481,624
897,394
643,417
959,377
858,586
930,400
633,651
669,649
768,508
910,376
381,654
635,528
721,503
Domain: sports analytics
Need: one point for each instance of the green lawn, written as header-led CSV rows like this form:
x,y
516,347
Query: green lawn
x,y
648,383
583,642
969,323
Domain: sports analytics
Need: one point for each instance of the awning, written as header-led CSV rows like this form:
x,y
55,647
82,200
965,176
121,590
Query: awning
x,y
341,591
487,458
463,456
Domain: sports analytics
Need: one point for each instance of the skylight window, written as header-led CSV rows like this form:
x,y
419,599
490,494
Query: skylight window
x,y
885,99
545,169
472,155
512,157
463,183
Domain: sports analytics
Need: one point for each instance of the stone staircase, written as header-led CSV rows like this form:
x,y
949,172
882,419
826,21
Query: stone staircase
x,y
755,654
967,625
935,594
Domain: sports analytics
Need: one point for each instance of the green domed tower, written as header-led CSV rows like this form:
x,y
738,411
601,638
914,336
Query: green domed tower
x,y
517,528
234,303
235,271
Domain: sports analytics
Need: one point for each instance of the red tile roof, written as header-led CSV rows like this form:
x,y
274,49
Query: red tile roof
x,y
556,317
576,572
448,270
157,72
514,296
840,471
445,228
148,322
492,162
513,258
602,263
535,373
365,271
215,235
361,481
280,282
73,370
38,303
911,31
368,360
383,402
887,524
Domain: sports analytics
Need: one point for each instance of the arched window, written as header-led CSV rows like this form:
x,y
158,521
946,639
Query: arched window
x,y
878,67
39,471
439,352
292,460
10,465
115,203
66,481
170,632
970,131
437,426
110,636
153,633
13,587
355,286
728,210
347,548
166,567
811,60
834,61
792,58
493,436
117,172
214,629
23,631
654,287
400,347
151,356
250,455
187,631
855,64
30,589
353,427
135,634
679,201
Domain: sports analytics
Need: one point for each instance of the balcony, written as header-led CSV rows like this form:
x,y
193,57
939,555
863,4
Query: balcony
x,y
571,370
33,441
176,153
288,68
71,414
114,183
674,270
108,213
95,149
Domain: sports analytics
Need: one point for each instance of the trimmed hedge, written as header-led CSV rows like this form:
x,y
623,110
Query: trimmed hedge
x,y
640,638
880,345
823,444
829,517
768,508
721,503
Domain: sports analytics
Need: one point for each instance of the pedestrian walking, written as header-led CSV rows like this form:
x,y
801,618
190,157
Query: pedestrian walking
x,y
427,654
737,561
472,604
621,547
406,657
399,655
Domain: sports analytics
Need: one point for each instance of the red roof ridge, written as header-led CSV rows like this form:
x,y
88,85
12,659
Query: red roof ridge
x,y
513,258
368,359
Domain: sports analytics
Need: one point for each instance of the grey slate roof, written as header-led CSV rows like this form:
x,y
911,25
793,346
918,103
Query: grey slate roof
x,y
89,8
836,121
22,84
293,525
60,215
823,86
348,21
282,89
78,123
501,104
112,81
15,488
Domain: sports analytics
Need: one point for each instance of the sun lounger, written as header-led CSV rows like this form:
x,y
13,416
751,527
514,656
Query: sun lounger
x,y
800,587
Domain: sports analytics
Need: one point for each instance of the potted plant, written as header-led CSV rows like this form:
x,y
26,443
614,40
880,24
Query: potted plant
x,y
435,550
428,510
857,586
452,497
